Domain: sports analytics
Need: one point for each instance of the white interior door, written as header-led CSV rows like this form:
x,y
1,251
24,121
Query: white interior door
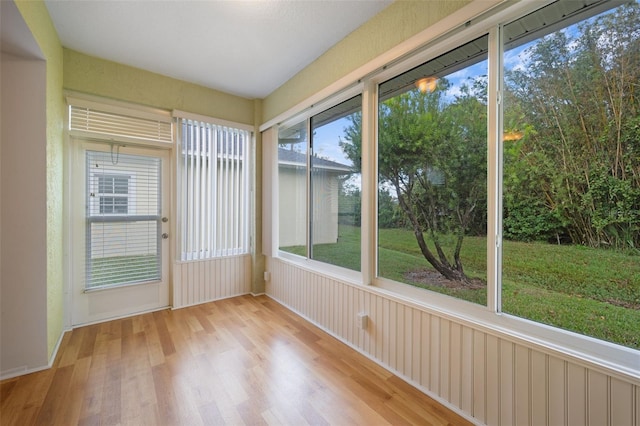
x,y
120,231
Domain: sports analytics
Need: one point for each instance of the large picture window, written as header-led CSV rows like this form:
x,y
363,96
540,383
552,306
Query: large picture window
x,y
325,224
432,174
571,187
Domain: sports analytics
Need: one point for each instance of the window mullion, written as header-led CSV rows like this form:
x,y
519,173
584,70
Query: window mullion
x,y
494,171
368,264
309,191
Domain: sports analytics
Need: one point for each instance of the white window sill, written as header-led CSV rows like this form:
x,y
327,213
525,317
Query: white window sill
x,y
326,269
609,356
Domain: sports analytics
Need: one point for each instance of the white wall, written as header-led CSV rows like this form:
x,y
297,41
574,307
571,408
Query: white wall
x,y
23,217
488,376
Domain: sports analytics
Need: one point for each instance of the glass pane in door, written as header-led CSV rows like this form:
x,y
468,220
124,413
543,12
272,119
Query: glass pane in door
x,y
123,219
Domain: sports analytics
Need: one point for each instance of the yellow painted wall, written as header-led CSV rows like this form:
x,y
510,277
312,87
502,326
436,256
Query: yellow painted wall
x,y
95,76
395,24
36,16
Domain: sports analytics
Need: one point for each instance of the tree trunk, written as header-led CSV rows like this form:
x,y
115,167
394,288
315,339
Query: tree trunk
x,y
443,268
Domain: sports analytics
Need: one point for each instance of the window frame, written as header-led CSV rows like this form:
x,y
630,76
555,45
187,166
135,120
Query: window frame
x,y
306,261
490,318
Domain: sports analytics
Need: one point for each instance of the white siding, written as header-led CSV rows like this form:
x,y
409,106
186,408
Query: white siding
x,y
212,279
293,224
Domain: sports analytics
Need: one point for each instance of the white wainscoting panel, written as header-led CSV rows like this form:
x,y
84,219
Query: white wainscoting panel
x,y
202,281
485,376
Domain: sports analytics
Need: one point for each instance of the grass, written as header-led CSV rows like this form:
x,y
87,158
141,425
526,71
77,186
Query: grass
x,y
595,292
115,270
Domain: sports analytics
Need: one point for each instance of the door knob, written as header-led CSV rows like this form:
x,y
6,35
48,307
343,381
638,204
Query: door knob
x,y
165,236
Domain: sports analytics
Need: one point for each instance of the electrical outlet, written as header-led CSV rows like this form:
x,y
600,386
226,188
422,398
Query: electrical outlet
x,y
362,320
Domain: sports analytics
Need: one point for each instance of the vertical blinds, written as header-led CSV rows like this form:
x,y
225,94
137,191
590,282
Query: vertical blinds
x,y
123,219
213,190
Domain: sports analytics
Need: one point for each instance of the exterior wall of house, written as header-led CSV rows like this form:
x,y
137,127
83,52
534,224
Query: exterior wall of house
x,y
293,225
325,187
292,208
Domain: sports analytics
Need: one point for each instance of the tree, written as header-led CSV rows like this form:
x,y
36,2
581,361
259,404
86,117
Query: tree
x,y
389,213
578,165
432,152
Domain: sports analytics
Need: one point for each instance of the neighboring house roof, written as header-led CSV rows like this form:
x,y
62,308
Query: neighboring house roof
x,y
294,158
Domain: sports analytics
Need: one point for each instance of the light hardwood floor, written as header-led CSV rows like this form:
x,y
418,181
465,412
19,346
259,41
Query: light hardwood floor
x,y
246,360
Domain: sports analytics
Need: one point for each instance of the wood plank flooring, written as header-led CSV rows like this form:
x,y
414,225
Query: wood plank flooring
x,y
241,361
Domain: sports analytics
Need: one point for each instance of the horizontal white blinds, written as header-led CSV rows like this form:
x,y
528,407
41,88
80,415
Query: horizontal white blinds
x,y
123,219
109,123
213,185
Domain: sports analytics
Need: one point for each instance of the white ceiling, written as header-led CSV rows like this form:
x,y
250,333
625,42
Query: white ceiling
x,y
246,48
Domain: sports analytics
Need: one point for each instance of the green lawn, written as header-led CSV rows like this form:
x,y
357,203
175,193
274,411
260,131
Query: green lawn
x,y
116,270
590,291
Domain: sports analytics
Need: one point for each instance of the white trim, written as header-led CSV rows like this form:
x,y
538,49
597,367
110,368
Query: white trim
x,y
118,317
270,192
123,141
175,308
323,105
369,187
21,371
453,21
494,171
327,269
211,120
56,348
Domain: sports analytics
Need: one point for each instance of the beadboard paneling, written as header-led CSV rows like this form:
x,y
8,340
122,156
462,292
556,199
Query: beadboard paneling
x,y
206,280
485,376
